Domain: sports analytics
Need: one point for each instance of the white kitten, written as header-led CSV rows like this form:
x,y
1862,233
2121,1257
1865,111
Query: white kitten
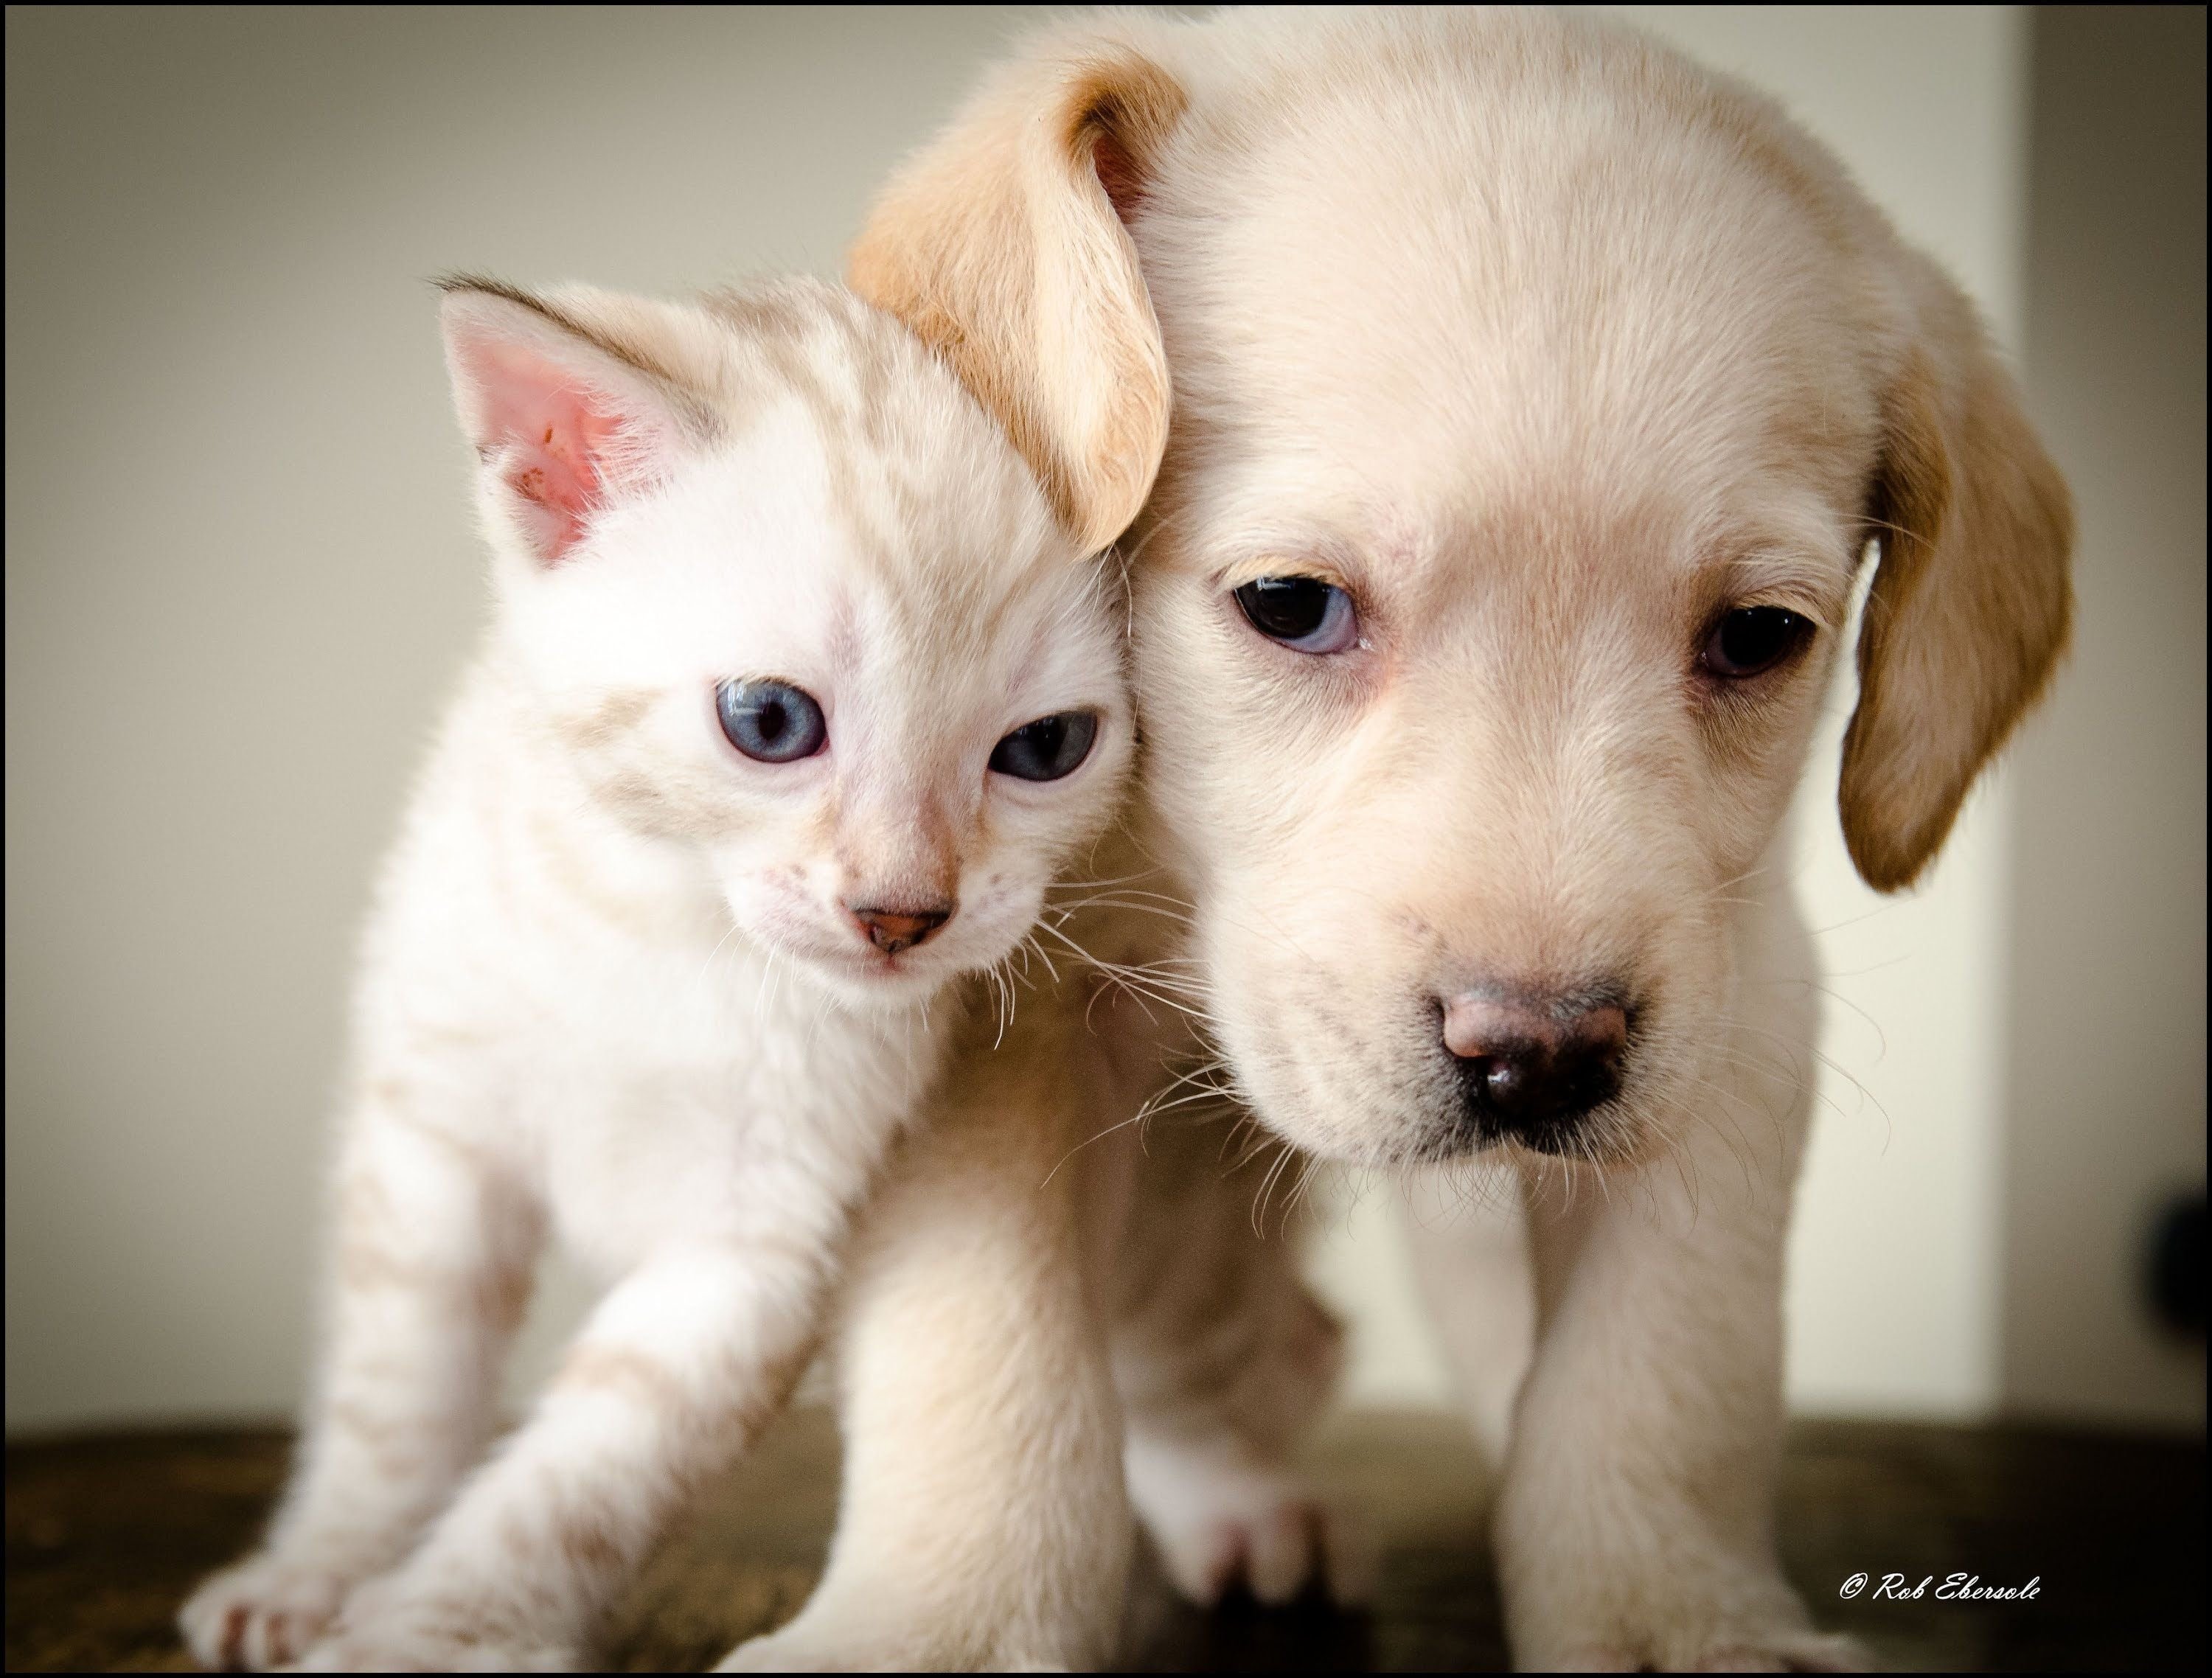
x,y
794,701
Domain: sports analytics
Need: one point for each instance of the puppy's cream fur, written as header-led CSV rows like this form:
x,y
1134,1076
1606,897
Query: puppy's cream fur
x,y
1550,347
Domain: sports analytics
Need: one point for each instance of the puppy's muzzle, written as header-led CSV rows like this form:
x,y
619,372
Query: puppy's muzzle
x,y
1531,1066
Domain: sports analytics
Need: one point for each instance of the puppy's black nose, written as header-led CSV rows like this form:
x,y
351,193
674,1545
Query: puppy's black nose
x,y
1530,1066
891,930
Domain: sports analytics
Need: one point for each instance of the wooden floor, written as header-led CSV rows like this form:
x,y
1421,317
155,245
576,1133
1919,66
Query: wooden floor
x,y
105,1533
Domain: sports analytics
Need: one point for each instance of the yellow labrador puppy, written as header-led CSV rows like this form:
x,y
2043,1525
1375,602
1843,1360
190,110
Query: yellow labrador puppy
x,y
1496,410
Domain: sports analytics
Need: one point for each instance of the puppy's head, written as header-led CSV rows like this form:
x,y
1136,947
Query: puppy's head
x,y
1537,399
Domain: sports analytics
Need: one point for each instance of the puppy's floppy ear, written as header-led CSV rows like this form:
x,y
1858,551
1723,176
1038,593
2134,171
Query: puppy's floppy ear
x,y
1002,244
1970,604
564,420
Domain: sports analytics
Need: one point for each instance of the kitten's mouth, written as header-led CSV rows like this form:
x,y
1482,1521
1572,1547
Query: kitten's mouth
x,y
878,969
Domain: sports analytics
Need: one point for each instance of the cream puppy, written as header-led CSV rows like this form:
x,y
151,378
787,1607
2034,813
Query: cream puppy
x,y
1537,399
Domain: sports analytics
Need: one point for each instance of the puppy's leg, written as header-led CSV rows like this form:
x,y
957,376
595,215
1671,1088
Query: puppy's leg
x,y
1635,1525
983,1523
1224,1360
1469,1234
433,1258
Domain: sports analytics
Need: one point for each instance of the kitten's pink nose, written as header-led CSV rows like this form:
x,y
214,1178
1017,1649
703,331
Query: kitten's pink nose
x,y
891,930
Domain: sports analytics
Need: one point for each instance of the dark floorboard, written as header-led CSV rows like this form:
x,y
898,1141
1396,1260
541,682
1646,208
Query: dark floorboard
x,y
105,1533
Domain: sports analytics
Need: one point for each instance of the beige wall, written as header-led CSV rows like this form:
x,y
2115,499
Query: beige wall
x,y
240,576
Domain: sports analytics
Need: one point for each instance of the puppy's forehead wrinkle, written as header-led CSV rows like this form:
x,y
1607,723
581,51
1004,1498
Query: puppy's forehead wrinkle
x,y
1507,499
1542,318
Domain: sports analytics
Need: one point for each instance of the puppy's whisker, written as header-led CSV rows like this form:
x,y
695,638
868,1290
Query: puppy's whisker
x,y
1136,1118
1205,1093
1143,982
1268,1188
1881,1037
1858,919
1257,1139
1867,1096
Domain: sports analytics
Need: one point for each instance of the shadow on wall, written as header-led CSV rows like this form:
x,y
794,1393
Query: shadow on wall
x,y
2107,1068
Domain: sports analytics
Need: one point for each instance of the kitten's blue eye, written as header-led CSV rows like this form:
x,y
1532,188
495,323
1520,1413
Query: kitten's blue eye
x,y
1047,749
773,722
1304,613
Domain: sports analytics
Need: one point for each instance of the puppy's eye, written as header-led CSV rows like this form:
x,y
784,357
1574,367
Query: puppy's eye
x,y
1047,749
773,722
1304,613
1753,638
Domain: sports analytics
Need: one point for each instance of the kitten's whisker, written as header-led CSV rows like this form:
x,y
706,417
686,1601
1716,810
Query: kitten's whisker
x,y
1174,917
728,933
1072,884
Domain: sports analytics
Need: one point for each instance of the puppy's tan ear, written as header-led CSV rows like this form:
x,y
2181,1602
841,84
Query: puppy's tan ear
x,y
1970,604
1002,244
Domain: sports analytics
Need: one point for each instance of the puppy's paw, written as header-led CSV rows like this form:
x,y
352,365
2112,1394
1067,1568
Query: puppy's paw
x,y
1218,1519
1795,1651
1747,1620
1781,1649
267,1610
800,1647
823,1640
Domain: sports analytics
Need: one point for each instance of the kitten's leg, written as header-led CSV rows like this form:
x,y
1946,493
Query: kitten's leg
x,y
984,1523
676,1368
432,1257
1224,1360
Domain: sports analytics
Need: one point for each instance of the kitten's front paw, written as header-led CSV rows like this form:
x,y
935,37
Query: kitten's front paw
x,y
391,1626
265,1611
1217,1519
422,1650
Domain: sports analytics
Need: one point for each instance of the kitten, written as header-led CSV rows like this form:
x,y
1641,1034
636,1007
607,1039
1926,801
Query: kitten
x,y
795,700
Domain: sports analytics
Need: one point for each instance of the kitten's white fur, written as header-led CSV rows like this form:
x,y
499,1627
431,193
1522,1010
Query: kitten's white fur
x,y
612,984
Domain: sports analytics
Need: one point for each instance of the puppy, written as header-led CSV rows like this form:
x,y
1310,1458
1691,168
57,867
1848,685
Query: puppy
x,y
1497,410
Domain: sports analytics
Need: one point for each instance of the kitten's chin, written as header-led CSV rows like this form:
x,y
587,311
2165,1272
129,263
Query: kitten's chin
x,y
873,981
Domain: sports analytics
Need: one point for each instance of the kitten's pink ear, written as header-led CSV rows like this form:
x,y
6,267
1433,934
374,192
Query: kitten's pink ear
x,y
564,423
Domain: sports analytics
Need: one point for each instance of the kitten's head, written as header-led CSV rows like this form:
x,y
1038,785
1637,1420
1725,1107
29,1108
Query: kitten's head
x,y
786,599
